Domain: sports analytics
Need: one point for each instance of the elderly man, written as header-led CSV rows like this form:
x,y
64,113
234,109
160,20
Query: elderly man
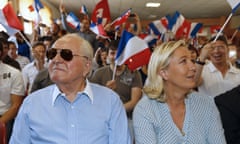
x,y
73,110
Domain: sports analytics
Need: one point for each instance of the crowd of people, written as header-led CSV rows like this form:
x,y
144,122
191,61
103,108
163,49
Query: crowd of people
x,y
65,89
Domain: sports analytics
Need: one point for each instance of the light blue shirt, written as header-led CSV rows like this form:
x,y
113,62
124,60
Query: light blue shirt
x,y
153,123
96,116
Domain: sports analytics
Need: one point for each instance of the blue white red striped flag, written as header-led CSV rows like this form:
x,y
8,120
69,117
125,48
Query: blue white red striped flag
x,y
73,21
121,19
195,28
132,51
159,27
35,7
177,20
234,4
84,10
38,5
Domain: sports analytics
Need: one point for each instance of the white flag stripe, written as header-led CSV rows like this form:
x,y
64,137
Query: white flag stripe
x,y
2,18
233,3
133,46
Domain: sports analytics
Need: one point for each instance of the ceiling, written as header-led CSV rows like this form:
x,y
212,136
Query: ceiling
x,y
190,9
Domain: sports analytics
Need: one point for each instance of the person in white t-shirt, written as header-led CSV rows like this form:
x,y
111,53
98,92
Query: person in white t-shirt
x,y
11,92
30,71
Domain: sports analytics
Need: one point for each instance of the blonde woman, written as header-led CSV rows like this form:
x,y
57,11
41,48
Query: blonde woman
x,y
169,113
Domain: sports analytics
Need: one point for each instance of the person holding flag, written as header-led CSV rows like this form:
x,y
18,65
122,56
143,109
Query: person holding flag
x,y
218,75
83,31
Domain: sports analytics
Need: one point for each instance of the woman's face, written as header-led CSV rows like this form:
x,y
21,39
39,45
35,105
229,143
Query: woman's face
x,y
181,70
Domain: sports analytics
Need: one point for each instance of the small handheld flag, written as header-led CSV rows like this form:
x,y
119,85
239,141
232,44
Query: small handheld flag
x,y
73,21
132,51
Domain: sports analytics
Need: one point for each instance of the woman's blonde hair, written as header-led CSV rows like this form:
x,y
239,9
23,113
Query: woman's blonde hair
x,y
159,60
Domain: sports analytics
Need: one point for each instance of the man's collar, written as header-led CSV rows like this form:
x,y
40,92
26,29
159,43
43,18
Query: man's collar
x,y
230,69
87,91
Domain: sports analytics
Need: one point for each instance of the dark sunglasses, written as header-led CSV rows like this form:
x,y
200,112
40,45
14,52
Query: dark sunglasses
x,y
66,54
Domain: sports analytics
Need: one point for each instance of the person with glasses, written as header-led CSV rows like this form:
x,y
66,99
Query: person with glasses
x,y
73,110
169,112
217,75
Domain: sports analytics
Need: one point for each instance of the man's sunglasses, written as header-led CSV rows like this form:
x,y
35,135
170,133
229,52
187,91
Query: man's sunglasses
x,y
66,54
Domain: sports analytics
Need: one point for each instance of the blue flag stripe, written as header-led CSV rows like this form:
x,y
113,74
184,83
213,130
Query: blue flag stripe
x,y
123,41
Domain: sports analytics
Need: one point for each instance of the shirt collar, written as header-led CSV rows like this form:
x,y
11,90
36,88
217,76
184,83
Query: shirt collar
x,y
211,67
231,69
87,91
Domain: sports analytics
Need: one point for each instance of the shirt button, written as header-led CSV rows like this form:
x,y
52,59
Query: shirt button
x,y
72,107
72,125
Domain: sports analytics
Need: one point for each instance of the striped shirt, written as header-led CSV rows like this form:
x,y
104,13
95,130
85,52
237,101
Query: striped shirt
x,y
153,123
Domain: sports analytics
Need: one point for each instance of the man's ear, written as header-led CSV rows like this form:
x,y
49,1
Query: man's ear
x,y
163,74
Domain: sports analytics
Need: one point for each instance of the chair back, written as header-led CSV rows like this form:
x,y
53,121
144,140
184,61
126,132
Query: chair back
x,y
3,133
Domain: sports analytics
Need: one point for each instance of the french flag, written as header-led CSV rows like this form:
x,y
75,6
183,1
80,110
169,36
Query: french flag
x,y
234,4
38,5
9,19
177,20
159,27
122,19
188,30
73,21
195,28
35,7
84,10
132,51
98,30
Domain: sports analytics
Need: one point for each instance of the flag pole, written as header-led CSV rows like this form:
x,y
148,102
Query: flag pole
x,y
234,34
114,71
220,31
30,46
